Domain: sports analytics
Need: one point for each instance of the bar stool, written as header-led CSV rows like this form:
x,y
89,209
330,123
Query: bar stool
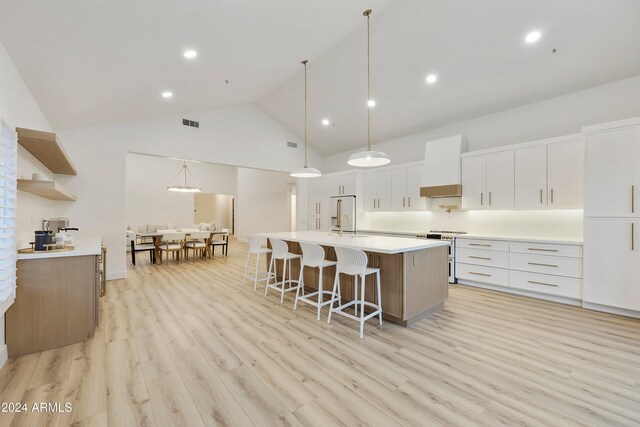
x,y
281,253
353,262
313,256
255,248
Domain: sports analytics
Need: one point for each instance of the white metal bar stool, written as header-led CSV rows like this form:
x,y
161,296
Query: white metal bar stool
x,y
353,262
255,248
280,252
313,256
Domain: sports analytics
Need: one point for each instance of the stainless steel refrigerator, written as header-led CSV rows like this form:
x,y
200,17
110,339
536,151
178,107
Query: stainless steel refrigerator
x,y
343,213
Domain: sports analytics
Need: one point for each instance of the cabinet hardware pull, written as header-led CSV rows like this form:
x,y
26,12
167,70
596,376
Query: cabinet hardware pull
x,y
480,244
542,283
542,250
403,202
480,274
541,196
481,199
542,265
633,238
633,199
489,197
552,195
479,257
409,199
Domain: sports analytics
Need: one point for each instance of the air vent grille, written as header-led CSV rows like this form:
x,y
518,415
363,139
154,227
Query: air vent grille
x,y
190,123
292,144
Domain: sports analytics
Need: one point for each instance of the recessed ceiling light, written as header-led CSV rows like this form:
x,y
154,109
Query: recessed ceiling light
x,y
431,78
167,94
326,122
533,37
371,103
190,54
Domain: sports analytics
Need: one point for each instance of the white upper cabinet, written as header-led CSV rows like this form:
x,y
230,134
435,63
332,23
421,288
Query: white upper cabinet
x,y
342,185
500,180
377,189
531,177
550,175
613,173
405,189
474,182
399,189
565,173
319,196
488,180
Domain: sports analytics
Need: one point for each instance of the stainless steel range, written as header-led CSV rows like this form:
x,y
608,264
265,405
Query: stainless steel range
x,y
450,236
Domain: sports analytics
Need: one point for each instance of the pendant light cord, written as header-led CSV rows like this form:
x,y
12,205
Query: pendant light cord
x,y
305,112
367,13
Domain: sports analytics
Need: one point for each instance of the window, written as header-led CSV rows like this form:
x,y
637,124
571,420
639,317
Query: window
x,y
8,166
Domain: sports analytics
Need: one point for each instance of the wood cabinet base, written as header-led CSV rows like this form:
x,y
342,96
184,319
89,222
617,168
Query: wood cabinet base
x,y
413,284
55,304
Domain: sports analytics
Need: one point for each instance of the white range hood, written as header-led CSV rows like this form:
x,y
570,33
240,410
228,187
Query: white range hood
x,y
442,167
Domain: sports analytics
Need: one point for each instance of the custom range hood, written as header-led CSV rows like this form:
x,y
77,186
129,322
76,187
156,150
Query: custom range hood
x,y
442,167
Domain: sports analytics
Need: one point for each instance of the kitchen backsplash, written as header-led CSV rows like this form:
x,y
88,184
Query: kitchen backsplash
x,y
566,223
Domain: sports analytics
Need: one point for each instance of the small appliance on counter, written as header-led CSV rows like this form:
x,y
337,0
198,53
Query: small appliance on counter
x,y
52,236
446,235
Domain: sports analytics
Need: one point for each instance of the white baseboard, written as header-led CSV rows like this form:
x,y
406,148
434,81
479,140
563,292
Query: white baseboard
x,y
4,355
611,310
552,298
117,275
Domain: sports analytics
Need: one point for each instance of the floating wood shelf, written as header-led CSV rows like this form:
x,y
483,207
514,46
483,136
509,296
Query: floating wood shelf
x,y
49,189
45,147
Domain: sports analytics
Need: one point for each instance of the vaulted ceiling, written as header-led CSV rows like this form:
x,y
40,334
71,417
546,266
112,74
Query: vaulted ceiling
x,y
99,62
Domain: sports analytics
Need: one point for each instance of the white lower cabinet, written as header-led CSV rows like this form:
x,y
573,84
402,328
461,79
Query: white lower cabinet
x,y
319,223
544,270
612,262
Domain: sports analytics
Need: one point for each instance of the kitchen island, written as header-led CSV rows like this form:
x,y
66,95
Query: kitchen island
x,y
56,297
414,273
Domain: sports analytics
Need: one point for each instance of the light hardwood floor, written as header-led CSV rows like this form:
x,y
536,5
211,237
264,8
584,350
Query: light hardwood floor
x,y
187,345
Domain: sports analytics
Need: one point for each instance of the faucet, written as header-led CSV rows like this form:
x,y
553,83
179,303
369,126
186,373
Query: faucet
x,y
340,227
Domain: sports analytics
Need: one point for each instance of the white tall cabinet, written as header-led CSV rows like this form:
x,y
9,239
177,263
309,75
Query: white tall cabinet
x,y
612,217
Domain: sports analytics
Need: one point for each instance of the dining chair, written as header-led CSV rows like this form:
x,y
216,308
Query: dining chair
x,y
197,242
223,241
172,242
142,247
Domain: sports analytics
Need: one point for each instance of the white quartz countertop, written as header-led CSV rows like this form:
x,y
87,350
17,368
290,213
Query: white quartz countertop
x,y
551,240
380,244
84,244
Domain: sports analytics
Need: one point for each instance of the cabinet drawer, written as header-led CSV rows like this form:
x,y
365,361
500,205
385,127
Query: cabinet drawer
x,y
489,245
558,266
480,257
479,273
546,284
572,251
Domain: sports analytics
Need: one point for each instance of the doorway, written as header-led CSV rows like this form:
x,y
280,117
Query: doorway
x,y
214,208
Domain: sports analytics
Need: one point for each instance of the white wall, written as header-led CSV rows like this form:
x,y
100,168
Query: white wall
x,y
262,201
241,136
147,198
563,115
19,109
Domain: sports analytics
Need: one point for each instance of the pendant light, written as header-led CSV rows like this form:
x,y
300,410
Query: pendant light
x,y
368,158
184,188
306,171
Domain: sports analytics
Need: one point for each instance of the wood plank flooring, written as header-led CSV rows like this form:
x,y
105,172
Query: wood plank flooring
x,y
188,345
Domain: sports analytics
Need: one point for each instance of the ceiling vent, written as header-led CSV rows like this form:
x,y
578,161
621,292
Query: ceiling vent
x,y
190,123
292,144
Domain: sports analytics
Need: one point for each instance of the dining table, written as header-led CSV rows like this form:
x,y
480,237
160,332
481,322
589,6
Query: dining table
x,y
156,237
